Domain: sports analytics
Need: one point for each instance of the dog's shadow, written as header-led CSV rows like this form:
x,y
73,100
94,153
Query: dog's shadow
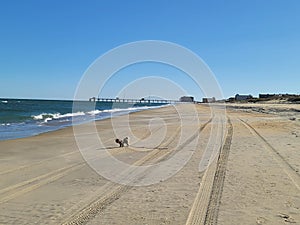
x,y
117,147
110,147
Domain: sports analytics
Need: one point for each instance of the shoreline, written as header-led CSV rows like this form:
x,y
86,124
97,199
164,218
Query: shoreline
x,y
53,128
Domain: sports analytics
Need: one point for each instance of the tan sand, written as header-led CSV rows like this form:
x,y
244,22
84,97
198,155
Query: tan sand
x,y
255,180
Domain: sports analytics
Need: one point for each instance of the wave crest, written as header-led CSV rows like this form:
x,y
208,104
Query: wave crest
x,y
50,116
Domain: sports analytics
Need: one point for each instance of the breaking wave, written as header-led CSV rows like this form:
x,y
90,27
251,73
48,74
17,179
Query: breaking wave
x,y
46,117
50,116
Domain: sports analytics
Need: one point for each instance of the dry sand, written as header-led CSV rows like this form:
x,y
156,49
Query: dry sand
x,y
254,180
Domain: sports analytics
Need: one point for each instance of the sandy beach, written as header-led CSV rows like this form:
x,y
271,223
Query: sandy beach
x,y
254,177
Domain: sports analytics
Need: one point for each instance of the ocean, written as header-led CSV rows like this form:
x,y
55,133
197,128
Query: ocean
x,y
21,118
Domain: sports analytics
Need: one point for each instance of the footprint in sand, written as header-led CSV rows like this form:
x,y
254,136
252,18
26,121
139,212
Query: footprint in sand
x,y
286,218
260,220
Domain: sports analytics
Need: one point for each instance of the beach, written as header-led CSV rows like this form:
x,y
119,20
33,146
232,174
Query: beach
x,y
242,167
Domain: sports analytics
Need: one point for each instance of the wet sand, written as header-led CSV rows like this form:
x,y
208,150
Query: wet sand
x,y
254,179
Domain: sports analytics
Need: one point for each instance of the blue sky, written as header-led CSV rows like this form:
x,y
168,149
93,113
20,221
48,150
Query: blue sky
x,y
46,46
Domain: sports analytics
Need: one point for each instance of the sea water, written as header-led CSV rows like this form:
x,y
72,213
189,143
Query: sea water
x,y
27,117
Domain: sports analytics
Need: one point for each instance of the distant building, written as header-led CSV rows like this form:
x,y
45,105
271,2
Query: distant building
x,y
186,99
266,95
208,100
242,97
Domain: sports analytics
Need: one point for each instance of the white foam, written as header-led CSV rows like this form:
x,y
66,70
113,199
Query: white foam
x,y
58,116
44,115
130,109
5,102
38,117
95,112
47,119
50,116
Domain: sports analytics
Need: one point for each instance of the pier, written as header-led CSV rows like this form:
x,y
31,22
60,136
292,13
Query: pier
x,y
129,100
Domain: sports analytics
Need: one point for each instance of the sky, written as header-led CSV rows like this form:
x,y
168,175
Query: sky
x,y
46,47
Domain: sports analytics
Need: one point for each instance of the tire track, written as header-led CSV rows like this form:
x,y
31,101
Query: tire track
x,y
218,184
282,162
111,191
39,181
36,163
28,166
26,186
206,203
32,184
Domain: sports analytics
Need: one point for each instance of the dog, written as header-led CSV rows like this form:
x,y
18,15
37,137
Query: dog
x,y
126,141
123,142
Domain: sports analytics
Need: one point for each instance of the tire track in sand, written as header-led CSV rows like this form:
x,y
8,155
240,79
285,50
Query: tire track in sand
x,y
111,191
282,162
206,203
16,190
29,166
36,163
211,217
32,184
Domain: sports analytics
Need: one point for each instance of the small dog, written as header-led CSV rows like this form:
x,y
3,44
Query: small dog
x,y
126,141
123,142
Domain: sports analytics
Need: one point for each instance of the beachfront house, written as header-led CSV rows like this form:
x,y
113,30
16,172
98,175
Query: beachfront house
x,y
242,97
186,99
208,100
